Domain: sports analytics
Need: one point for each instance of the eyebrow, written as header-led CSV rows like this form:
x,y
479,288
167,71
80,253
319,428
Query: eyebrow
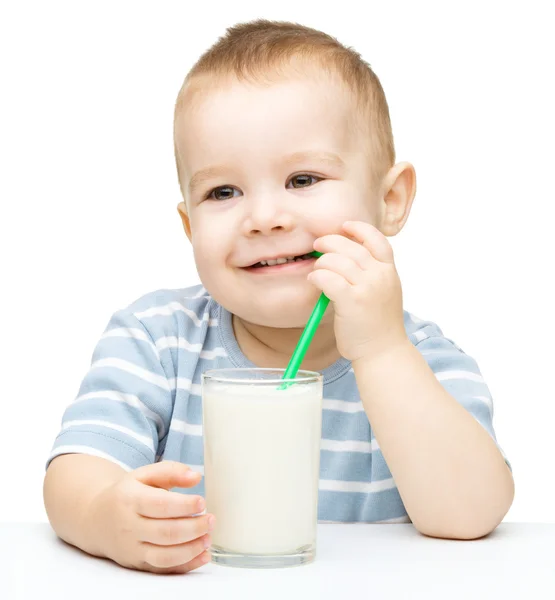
x,y
331,159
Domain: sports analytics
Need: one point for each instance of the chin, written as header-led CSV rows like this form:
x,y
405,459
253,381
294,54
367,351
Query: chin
x,y
288,323
286,310
278,315
284,321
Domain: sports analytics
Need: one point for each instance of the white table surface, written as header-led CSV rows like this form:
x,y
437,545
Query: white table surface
x,y
360,561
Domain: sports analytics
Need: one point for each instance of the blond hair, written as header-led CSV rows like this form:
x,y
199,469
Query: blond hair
x,y
256,50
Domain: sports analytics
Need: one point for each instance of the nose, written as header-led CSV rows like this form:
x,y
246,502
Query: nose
x,y
267,215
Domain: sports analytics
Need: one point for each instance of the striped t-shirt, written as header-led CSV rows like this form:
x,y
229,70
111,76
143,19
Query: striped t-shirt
x,y
140,401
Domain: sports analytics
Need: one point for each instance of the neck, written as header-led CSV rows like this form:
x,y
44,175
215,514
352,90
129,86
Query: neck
x,y
272,347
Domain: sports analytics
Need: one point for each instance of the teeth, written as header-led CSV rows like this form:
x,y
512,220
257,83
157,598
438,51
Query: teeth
x,y
282,261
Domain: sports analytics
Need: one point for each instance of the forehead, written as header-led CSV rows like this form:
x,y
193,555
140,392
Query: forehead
x,y
228,117
299,77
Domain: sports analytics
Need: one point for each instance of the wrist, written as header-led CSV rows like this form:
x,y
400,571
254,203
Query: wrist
x,y
376,358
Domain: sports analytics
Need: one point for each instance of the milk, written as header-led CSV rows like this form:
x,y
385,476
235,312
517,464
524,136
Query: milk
x,y
261,465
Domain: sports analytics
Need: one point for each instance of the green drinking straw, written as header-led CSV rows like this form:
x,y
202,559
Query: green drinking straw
x,y
306,336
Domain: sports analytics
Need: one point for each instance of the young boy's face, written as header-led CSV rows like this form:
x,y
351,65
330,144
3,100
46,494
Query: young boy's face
x,y
267,171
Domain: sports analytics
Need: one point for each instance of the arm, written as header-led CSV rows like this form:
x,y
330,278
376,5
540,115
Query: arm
x,y
121,507
131,517
71,484
448,470
450,474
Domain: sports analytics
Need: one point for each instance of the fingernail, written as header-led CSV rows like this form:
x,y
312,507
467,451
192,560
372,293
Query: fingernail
x,y
207,542
211,521
201,504
205,558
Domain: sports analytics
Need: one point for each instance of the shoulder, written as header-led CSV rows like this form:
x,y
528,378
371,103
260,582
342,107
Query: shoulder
x,y
426,333
163,300
172,311
446,358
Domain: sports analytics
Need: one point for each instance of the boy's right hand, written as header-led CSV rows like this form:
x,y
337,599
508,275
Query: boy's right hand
x,y
140,524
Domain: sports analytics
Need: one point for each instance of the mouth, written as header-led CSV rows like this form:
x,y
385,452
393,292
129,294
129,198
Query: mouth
x,y
282,264
272,262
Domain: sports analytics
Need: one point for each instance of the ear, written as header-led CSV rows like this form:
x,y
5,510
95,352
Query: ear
x,y
182,210
399,188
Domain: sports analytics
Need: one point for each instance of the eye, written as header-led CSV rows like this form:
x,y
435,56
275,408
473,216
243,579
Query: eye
x,y
304,180
224,192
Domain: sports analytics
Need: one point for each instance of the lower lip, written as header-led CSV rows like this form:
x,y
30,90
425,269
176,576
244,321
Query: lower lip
x,y
290,267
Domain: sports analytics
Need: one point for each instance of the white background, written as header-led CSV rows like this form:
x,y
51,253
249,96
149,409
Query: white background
x,y
88,195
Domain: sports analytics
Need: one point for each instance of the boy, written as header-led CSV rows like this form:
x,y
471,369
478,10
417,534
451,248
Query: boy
x,y
283,146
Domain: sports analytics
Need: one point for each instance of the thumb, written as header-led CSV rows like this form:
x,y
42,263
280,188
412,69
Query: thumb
x,y
167,474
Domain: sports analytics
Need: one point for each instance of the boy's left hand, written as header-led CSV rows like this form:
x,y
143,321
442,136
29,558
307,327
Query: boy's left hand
x,y
357,273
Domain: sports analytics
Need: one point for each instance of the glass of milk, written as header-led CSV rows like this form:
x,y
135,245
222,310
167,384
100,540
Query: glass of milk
x,y
261,465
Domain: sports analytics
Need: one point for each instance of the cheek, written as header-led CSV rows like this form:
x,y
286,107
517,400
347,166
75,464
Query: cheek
x,y
343,202
209,244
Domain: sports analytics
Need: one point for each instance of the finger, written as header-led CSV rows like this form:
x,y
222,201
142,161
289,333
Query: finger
x,y
167,474
339,244
167,557
171,532
155,503
333,285
198,561
371,238
340,264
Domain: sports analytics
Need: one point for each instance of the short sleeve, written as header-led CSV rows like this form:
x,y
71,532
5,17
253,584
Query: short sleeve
x,y
459,374
123,408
